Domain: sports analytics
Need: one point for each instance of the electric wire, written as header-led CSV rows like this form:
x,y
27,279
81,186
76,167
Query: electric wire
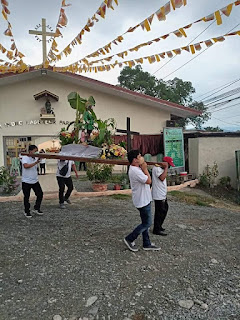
x,y
224,85
195,56
187,45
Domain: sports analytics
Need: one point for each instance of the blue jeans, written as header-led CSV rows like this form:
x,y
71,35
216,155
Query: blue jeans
x,y
146,217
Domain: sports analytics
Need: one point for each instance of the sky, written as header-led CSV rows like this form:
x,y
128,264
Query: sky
x,y
217,66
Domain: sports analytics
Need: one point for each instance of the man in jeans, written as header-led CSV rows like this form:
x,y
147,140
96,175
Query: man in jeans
x,y
159,194
65,180
140,181
30,181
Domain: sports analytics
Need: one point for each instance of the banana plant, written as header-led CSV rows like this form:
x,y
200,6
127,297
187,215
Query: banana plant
x,y
80,105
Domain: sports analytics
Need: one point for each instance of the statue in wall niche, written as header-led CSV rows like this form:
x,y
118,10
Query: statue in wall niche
x,y
48,107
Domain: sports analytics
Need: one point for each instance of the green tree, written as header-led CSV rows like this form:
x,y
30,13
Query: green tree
x,y
213,129
175,90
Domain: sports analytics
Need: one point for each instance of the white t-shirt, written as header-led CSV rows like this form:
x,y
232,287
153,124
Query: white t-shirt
x,y
29,175
141,193
159,188
61,164
42,160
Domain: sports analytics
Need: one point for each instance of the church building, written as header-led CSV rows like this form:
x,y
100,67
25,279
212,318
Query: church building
x,y
34,108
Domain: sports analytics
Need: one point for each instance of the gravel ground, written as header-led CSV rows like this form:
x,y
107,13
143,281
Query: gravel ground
x,y
72,264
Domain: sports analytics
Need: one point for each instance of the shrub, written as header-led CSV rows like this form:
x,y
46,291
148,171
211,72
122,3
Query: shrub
x,y
99,173
8,182
225,182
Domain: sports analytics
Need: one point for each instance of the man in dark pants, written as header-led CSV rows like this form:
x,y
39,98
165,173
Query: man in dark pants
x,y
140,181
30,181
65,180
159,194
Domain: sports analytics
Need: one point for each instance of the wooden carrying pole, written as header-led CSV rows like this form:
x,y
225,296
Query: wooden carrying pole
x,y
74,158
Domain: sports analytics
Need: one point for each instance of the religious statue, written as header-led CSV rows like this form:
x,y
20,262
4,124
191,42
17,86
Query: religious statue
x,y
89,117
48,107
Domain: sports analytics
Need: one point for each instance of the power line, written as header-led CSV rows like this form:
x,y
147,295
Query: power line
x,y
231,123
194,57
217,105
224,85
237,104
221,96
187,45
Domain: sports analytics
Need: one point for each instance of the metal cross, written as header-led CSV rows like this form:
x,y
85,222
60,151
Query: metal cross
x,y
44,33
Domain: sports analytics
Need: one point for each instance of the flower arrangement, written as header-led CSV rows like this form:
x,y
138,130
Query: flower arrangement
x,y
66,137
114,151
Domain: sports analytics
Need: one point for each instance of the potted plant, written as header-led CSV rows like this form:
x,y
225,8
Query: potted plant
x,y
124,181
99,174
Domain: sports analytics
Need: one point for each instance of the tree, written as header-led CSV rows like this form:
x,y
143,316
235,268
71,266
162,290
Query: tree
x,y
213,129
175,90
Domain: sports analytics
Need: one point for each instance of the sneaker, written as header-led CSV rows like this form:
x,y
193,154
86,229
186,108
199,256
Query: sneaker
x,y
28,215
38,212
62,206
131,245
160,233
152,247
68,201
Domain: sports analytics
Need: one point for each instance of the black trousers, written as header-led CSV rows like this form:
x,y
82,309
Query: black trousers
x,y
161,209
62,182
43,168
26,188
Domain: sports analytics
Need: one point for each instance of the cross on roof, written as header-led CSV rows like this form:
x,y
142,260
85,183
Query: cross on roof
x,y
128,132
44,33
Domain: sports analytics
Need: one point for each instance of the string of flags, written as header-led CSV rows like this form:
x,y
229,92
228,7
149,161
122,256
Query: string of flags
x,y
145,24
16,63
181,32
13,53
62,22
101,12
192,48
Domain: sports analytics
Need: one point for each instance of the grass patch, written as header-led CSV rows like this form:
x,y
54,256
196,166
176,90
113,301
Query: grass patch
x,y
120,196
192,198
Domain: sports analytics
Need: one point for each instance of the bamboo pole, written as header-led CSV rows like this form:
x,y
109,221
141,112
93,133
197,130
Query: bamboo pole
x,y
74,158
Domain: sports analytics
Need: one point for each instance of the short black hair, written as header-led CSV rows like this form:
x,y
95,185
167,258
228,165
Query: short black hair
x,y
132,154
32,147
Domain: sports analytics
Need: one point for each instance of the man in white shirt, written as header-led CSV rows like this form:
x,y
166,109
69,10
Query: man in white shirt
x,y
30,181
65,180
140,181
159,194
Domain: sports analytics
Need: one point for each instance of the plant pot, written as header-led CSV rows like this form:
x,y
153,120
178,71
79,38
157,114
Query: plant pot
x,y
117,187
99,187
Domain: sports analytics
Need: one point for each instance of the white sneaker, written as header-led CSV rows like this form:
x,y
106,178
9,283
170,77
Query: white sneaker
x,y
62,206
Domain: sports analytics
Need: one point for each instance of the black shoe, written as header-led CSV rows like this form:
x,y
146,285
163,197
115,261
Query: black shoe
x,y
38,212
162,229
151,247
160,233
28,215
131,245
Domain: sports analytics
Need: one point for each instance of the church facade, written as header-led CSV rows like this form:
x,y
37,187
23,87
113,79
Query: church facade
x,y
25,97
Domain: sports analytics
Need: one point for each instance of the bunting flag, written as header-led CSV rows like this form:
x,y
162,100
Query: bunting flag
x,y
192,48
62,22
145,24
13,53
181,32
101,12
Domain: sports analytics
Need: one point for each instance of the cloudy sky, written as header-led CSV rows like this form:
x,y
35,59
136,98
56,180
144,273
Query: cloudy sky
x,y
217,66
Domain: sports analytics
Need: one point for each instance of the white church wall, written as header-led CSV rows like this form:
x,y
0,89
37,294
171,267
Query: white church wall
x,y
21,112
